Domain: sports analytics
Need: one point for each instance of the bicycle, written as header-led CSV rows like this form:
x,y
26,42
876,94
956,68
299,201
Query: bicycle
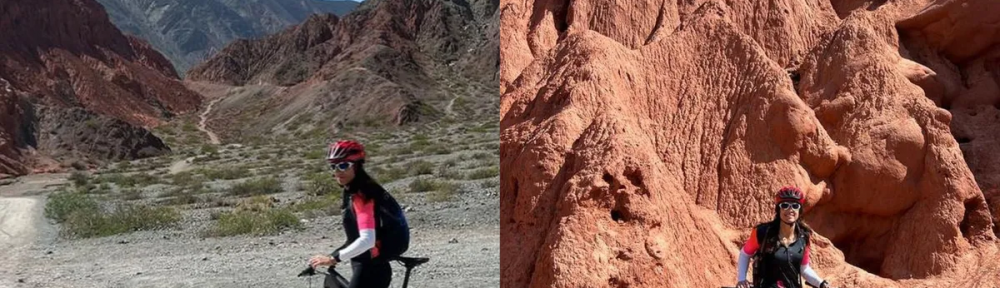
x,y
335,280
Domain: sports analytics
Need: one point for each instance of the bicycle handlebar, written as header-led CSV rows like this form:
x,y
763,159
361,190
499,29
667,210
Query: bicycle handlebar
x,y
310,271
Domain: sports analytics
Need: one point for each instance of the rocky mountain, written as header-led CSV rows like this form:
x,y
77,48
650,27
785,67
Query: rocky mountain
x,y
188,31
641,140
76,91
388,62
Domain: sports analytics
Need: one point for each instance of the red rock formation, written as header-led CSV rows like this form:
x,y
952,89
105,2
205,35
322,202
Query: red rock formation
x,y
389,62
253,61
646,150
394,37
67,54
957,41
11,158
187,32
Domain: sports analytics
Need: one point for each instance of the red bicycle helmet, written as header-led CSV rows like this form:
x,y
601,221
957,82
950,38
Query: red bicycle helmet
x,y
790,194
345,151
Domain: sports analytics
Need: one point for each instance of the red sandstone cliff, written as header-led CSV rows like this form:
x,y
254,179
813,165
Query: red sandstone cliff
x,y
640,140
73,88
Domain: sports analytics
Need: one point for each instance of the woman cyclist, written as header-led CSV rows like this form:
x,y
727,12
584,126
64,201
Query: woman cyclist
x,y
347,159
780,247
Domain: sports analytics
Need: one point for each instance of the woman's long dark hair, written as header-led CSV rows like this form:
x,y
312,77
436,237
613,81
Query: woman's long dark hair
x,y
360,175
770,242
361,179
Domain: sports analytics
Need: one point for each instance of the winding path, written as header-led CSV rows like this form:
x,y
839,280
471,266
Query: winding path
x,y
448,109
185,164
214,139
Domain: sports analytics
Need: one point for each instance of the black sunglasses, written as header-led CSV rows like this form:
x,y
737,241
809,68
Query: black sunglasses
x,y
342,166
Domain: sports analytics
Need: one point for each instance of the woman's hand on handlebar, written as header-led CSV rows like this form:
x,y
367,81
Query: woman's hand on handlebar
x,y
743,284
322,260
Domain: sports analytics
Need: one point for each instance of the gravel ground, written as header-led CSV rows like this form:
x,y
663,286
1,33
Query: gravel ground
x,y
462,241
461,236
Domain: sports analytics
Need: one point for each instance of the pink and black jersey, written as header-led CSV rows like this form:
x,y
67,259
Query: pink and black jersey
x,y
360,224
783,262
365,214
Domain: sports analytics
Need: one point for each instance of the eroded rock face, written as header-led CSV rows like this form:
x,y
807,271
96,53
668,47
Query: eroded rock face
x,y
75,132
636,160
389,62
956,41
904,159
65,55
189,31
12,160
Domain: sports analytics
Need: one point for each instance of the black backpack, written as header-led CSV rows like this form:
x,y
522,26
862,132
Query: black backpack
x,y
392,230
